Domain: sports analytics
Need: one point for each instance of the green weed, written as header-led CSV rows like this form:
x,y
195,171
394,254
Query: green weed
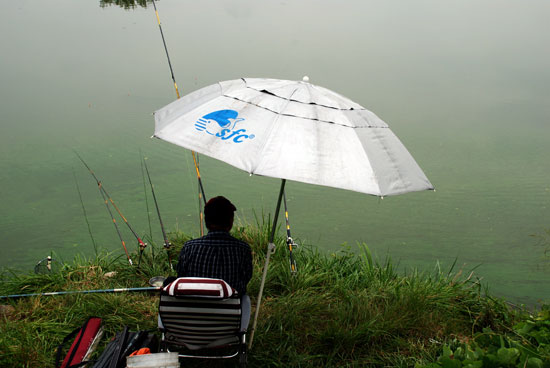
x,y
345,309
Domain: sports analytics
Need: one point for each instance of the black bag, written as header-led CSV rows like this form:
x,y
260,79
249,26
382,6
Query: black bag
x,y
124,343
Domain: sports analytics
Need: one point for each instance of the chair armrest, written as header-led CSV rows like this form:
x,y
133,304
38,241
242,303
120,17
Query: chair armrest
x,y
245,312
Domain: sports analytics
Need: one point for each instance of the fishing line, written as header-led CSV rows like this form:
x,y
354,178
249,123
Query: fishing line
x,y
167,244
107,198
195,156
84,211
114,222
102,188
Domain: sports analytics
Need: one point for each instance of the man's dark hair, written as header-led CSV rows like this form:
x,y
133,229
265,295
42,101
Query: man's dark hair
x,y
218,213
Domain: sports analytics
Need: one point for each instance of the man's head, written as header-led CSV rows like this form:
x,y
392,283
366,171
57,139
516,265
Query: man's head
x,y
219,214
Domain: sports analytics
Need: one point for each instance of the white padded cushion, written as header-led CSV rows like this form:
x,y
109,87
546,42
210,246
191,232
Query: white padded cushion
x,y
200,287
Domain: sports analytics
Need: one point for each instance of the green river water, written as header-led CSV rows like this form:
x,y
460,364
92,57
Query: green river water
x,y
464,84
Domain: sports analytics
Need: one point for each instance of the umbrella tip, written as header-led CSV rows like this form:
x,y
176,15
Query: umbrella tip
x,y
305,78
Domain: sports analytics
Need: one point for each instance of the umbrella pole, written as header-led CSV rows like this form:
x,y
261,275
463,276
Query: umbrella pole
x,y
270,250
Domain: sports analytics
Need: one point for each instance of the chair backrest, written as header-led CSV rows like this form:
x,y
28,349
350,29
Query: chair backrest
x,y
199,322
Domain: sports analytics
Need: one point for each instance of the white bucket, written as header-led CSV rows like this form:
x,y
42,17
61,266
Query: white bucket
x,y
159,360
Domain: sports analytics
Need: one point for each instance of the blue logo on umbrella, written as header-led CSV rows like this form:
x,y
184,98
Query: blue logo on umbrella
x,y
222,124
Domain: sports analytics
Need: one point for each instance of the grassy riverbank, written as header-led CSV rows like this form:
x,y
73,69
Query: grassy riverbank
x,y
341,309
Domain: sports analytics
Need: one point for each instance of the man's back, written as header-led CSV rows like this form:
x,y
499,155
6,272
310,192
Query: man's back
x,y
217,255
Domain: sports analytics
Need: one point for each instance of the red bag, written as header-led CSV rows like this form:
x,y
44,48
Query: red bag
x,y
85,336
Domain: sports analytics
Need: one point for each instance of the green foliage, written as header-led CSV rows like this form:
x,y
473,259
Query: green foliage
x,y
345,309
526,344
125,4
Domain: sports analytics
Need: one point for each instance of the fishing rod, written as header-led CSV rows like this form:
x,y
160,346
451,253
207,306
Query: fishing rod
x,y
289,241
101,291
114,222
167,244
104,194
195,156
148,213
145,194
196,162
166,49
201,195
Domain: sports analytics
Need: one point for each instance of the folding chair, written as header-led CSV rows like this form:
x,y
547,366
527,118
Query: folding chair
x,y
200,322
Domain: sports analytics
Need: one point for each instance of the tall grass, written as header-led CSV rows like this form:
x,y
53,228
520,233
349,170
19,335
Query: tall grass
x,y
347,308
340,309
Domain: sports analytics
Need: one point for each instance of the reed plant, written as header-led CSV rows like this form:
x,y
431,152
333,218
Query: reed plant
x,y
341,309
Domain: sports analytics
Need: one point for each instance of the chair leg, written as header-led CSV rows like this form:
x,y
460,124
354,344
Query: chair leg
x,y
163,347
243,353
243,359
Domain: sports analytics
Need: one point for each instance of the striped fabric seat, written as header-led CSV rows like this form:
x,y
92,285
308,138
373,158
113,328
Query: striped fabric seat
x,y
200,323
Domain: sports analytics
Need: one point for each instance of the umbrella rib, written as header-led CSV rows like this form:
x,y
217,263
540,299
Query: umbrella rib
x,y
302,102
393,161
306,118
272,126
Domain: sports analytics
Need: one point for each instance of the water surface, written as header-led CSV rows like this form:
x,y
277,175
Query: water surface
x,y
464,85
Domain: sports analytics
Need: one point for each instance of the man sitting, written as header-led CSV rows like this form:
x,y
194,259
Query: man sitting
x,y
218,255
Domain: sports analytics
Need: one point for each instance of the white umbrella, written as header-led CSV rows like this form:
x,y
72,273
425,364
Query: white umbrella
x,y
291,130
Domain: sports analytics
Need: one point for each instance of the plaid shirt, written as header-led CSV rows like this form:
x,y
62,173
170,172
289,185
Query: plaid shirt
x,y
217,255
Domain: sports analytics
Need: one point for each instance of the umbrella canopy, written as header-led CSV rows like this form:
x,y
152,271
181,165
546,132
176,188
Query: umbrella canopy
x,y
292,130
